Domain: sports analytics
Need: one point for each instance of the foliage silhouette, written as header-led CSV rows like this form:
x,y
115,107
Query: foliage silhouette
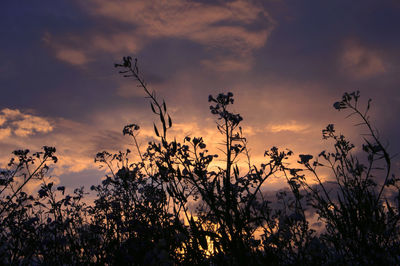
x,y
362,225
174,206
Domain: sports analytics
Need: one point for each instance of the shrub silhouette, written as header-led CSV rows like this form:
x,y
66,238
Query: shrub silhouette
x,y
171,207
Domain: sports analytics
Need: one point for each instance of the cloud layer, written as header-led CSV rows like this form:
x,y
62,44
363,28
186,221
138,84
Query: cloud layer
x,y
285,62
233,30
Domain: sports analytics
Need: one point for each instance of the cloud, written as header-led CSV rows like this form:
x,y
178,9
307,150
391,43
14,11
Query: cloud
x,y
29,124
74,57
75,142
117,42
227,26
292,126
14,122
5,133
228,64
67,49
2,120
360,61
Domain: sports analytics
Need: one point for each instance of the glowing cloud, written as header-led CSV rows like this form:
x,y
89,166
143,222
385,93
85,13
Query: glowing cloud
x,y
22,125
290,126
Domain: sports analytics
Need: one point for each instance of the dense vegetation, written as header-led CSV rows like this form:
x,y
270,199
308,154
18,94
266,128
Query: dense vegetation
x,y
173,207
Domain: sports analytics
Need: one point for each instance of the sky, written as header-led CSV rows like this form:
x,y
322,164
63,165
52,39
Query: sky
x,y
286,62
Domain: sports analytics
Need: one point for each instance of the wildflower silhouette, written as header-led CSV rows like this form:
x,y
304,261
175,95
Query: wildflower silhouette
x,y
170,207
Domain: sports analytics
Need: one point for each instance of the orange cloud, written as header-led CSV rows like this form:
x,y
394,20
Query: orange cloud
x,y
74,57
290,126
22,125
4,133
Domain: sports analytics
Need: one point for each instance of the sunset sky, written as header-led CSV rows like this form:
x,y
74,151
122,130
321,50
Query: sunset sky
x,y
286,62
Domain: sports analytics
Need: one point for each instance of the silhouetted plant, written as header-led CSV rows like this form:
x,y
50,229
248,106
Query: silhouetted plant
x,y
174,206
230,207
362,224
